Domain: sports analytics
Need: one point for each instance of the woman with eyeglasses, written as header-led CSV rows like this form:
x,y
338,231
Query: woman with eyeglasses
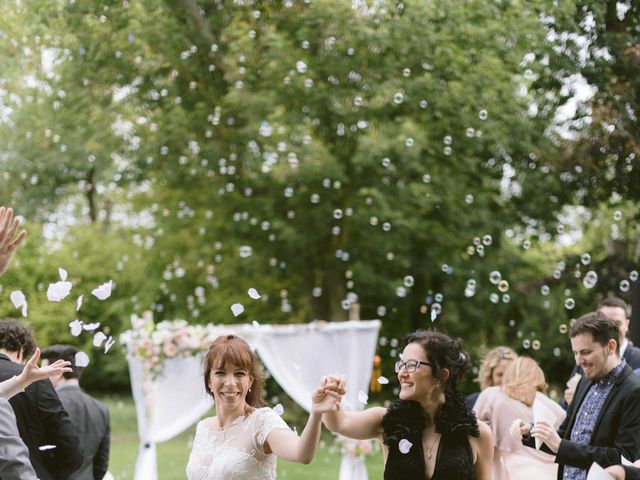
x,y
429,433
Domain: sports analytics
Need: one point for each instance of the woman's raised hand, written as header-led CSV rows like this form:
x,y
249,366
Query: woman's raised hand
x,y
327,398
32,373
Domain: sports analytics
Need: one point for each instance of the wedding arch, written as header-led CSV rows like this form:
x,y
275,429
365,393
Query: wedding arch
x,y
165,364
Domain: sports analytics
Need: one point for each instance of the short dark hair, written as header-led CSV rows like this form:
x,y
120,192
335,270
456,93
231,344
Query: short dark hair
x,y
15,336
615,302
601,327
63,352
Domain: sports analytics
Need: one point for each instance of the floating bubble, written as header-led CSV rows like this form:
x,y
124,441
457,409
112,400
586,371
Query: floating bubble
x,y
301,67
624,285
506,298
633,275
426,178
424,104
563,328
394,343
373,221
469,291
495,277
398,98
590,279
245,251
535,344
585,259
557,274
436,309
569,303
483,115
503,286
337,214
386,226
526,343
401,292
438,297
617,215
383,341
556,352
345,304
315,198
494,298
316,292
408,281
444,268
487,240
468,199
544,290
480,250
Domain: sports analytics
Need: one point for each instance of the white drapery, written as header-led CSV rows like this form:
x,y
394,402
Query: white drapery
x,y
296,355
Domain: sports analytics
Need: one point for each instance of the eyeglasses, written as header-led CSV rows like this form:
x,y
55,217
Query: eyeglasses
x,y
410,366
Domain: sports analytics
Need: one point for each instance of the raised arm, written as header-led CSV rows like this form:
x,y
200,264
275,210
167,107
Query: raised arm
x,y
8,244
286,444
32,372
359,425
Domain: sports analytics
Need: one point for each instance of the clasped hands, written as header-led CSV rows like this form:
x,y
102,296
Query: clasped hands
x,y
327,398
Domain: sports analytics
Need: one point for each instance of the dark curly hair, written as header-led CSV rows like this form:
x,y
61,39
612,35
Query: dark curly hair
x,y
15,336
53,353
443,352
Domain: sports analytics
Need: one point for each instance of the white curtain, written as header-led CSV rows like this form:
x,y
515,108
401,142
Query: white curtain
x,y
296,355
166,406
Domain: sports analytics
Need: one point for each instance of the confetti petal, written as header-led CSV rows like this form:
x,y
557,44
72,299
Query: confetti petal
x,y
108,344
383,380
237,309
82,359
103,291
63,274
279,409
362,397
76,327
57,291
90,326
256,324
19,301
42,448
404,446
253,293
98,339
79,302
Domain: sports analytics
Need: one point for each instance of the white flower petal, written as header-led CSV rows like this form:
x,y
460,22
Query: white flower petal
x,y
63,274
76,327
362,397
404,446
253,293
90,326
57,291
383,380
237,309
24,309
82,359
103,291
279,409
79,302
256,324
42,448
108,344
17,298
98,339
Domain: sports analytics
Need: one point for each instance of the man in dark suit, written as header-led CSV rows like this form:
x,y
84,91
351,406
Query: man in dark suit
x,y
43,423
616,309
603,421
89,416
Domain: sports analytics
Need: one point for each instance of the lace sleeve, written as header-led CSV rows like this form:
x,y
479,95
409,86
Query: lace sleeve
x,y
267,421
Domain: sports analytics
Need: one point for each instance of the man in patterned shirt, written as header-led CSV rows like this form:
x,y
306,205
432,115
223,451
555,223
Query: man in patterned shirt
x,y
603,421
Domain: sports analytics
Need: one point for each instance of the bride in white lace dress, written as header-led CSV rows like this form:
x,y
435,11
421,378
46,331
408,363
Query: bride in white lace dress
x,y
243,439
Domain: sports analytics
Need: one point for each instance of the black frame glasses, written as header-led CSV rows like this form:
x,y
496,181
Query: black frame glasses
x,y
410,366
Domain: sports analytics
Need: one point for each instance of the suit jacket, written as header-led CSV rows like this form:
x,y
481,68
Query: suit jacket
x,y
615,432
14,455
91,419
42,420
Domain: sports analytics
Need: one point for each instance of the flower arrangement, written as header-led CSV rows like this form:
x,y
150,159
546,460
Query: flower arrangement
x,y
355,448
154,343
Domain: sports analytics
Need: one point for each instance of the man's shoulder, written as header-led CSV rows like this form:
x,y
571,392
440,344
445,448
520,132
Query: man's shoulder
x,y
632,356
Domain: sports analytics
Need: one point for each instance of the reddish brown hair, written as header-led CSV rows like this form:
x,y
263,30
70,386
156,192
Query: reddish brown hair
x,y
233,349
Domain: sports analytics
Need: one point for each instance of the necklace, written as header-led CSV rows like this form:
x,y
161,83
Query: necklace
x,y
429,455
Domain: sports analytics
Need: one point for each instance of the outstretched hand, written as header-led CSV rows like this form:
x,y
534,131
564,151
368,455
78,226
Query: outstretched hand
x,y
32,372
8,244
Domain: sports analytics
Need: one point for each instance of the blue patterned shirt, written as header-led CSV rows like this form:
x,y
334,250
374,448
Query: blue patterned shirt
x,y
588,414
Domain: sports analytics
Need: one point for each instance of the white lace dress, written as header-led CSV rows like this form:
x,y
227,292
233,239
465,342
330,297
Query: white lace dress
x,y
235,453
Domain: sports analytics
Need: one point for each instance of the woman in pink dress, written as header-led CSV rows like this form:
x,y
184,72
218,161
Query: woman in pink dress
x,y
523,385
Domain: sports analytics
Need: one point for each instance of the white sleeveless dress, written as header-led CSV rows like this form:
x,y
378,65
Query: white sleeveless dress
x,y
235,453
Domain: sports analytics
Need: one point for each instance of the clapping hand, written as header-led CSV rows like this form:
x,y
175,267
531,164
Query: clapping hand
x,y
8,244
32,372
545,432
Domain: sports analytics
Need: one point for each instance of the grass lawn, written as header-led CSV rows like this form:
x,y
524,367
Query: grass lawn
x,y
173,455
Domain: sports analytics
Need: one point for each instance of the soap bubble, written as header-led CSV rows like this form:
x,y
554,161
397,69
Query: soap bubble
x,y
624,286
503,286
569,303
585,259
408,281
487,240
544,290
495,277
590,279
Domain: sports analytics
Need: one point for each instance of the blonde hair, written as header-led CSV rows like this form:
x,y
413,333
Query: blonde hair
x,y
490,362
522,379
